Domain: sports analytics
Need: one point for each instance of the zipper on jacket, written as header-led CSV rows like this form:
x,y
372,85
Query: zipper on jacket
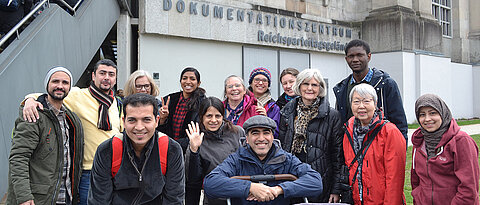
x,y
140,176
59,173
428,174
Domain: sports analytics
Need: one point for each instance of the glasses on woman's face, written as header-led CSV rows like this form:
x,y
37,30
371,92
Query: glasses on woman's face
x,y
236,85
140,87
365,101
257,80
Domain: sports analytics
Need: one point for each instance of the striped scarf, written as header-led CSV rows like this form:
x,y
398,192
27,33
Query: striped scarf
x,y
105,102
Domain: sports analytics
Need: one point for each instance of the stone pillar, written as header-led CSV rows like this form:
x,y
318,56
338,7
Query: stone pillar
x,y
399,28
379,4
124,48
474,35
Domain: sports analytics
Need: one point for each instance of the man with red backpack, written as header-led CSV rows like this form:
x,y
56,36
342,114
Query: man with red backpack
x,y
140,165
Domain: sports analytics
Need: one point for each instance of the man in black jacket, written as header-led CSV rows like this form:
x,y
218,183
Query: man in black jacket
x,y
389,99
139,178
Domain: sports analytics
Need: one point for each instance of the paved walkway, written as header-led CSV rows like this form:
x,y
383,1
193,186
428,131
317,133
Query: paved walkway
x,y
469,129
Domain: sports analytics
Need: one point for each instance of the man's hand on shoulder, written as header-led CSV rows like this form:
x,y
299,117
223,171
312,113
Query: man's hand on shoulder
x,y
30,112
261,192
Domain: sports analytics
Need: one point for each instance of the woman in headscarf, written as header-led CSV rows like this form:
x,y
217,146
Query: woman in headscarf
x,y
210,143
445,159
260,81
312,131
374,151
287,79
239,102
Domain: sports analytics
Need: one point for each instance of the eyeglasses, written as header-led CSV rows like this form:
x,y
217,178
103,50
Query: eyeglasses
x,y
314,85
263,80
365,101
140,87
237,85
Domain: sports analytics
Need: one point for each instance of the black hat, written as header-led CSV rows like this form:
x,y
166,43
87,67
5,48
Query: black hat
x,y
259,121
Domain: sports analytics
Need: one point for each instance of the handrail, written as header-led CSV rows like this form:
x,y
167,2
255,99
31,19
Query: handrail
x,y
19,24
32,12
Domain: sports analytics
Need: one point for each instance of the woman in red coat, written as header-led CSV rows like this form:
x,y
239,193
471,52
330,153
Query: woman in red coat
x,y
374,151
445,159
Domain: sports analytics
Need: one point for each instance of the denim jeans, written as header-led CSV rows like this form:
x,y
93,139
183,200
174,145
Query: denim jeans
x,y
84,186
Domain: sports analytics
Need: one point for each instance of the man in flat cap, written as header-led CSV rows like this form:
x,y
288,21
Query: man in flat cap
x,y
261,155
46,156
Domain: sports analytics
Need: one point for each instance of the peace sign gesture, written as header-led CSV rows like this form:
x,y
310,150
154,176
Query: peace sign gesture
x,y
163,111
194,135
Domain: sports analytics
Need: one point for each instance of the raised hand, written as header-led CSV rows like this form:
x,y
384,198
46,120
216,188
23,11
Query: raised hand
x,y
194,135
261,110
163,111
30,112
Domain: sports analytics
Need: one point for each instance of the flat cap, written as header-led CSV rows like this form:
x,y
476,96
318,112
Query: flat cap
x,y
259,121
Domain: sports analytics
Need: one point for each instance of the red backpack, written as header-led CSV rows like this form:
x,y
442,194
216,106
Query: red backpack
x,y
117,148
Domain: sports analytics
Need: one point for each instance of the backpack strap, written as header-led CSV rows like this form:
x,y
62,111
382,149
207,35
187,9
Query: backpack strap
x,y
163,151
117,151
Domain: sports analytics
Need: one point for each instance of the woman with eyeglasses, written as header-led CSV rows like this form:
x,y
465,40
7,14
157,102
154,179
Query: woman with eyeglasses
x,y
445,159
141,81
239,102
374,151
180,108
260,81
312,131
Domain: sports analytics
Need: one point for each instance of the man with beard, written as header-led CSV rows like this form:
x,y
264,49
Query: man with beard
x,y
96,107
389,99
46,156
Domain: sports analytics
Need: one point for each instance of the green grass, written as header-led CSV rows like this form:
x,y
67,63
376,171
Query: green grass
x,y
460,122
407,188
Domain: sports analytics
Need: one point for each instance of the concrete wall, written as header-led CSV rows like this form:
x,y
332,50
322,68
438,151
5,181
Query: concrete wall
x,y
333,68
476,90
462,91
170,55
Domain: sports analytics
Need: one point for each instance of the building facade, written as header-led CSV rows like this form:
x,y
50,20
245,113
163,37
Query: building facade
x,y
427,46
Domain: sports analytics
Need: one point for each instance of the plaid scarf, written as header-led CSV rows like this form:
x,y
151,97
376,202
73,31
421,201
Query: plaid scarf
x,y
234,113
305,114
105,103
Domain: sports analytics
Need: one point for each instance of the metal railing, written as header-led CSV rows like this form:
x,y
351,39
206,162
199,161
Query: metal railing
x,y
15,29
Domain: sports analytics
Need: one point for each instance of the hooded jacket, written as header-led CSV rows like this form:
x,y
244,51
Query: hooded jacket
x,y
383,170
324,144
218,184
36,157
249,104
389,99
133,184
450,177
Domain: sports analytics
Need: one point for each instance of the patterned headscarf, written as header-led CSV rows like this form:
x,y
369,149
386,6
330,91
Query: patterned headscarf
x,y
433,138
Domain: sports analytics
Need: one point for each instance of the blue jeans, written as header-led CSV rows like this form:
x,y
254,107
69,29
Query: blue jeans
x,y
84,186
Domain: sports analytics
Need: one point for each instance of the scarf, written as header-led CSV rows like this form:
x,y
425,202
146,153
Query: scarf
x,y
289,98
433,138
359,133
305,113
105,103
234,113
263,100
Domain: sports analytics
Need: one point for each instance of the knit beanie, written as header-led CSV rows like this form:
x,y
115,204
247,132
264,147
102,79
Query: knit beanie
x,y
260,70
54,70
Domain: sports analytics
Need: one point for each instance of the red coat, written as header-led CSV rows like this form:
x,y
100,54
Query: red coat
x,y
450,177
383,170
249,105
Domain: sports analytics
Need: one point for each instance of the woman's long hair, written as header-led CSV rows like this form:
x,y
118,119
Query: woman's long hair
x,y
217,104
196,95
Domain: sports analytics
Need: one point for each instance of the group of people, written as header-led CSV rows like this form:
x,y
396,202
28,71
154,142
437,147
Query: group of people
x,y
79,146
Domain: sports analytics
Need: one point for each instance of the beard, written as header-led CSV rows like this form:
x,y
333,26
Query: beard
x,y
56,97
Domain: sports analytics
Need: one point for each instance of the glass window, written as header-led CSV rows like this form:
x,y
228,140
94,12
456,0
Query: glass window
x,y
441,10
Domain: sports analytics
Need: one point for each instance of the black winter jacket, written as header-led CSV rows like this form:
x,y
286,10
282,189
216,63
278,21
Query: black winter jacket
x,y
389,99
137,185
192,115
324,144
